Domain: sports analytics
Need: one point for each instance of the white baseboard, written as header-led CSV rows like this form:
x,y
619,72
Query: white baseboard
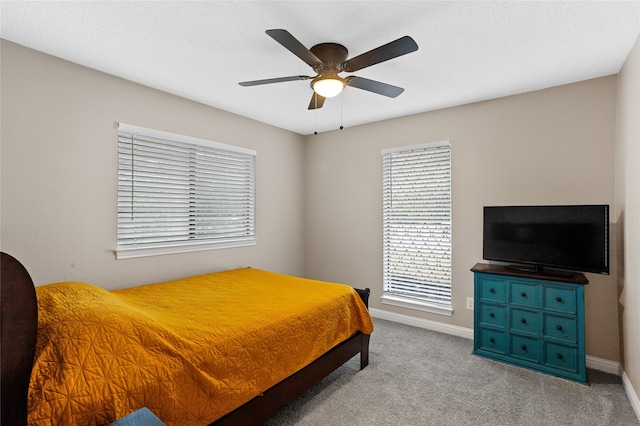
x,y
599,364
602,364
454,330
631,394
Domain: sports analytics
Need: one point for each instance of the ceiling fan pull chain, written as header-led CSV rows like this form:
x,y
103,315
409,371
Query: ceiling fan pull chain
x,y
315,115
341,105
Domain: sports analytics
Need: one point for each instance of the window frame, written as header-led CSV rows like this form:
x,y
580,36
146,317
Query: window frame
x,y
191,237
389,296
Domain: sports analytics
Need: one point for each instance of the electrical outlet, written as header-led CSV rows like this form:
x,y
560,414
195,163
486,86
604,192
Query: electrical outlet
x,y
470,303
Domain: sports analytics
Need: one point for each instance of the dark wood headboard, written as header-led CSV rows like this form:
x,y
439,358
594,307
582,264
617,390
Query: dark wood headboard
x,y
19,327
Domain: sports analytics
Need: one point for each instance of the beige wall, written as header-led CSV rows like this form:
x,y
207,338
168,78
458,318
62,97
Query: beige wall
x,y
319,202
628,208
58,174
553,146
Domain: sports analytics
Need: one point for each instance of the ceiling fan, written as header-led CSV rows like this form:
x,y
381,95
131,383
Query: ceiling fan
x,y
330,59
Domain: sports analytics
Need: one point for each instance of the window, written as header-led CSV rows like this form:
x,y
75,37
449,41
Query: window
x,y
417,227
177,193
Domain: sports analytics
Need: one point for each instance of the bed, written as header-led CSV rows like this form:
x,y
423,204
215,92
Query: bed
x,y
232,350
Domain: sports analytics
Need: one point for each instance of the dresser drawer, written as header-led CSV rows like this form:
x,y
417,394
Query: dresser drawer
x,y
524,348
524,321
525,295
492,340
560,299
493,290
492,315
563,357
561,328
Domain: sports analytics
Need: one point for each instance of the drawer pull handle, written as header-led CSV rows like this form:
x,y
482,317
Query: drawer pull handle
x,y
559,356
523,294
524,321
492,340
492,315
559,328
523,347
492,290
558,299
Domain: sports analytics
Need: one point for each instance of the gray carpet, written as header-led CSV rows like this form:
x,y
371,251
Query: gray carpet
x,y
420,377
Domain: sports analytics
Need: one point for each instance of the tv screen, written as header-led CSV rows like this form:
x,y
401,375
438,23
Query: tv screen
x,y
573,238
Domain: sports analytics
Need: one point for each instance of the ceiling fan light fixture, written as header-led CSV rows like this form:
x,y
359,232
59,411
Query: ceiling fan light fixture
x,y
328,87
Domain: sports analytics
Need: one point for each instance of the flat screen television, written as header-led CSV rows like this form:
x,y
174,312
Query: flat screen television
x,y
565,238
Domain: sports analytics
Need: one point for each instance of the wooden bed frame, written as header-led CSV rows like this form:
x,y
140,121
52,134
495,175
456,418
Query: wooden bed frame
x,y
19,327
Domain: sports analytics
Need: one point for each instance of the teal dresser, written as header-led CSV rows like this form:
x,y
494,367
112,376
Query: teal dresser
x,y
531,320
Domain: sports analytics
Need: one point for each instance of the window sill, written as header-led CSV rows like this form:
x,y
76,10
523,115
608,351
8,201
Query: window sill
x,y
133,252
417,305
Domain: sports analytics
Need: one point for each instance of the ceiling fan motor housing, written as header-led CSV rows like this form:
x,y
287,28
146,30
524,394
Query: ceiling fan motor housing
x,y
332,56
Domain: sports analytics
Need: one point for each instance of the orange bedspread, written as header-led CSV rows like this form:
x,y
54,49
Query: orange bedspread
x,y
190,350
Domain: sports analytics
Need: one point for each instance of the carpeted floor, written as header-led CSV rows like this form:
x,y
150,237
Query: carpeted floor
x,y
420,377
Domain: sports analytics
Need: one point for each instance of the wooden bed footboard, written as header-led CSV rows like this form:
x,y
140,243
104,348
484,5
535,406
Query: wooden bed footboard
x,y
19,326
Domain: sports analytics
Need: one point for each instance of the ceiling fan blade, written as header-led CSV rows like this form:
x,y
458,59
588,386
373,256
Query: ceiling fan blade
x,y
290,42
374,86
274,80
391,50
316,101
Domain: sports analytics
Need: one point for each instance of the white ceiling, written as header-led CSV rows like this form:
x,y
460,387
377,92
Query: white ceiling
x,y
468,51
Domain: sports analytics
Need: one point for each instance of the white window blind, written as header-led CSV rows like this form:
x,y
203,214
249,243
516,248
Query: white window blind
x,y
177,193
417,227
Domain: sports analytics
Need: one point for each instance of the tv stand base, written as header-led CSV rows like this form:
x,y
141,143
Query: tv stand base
x,y
540,270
